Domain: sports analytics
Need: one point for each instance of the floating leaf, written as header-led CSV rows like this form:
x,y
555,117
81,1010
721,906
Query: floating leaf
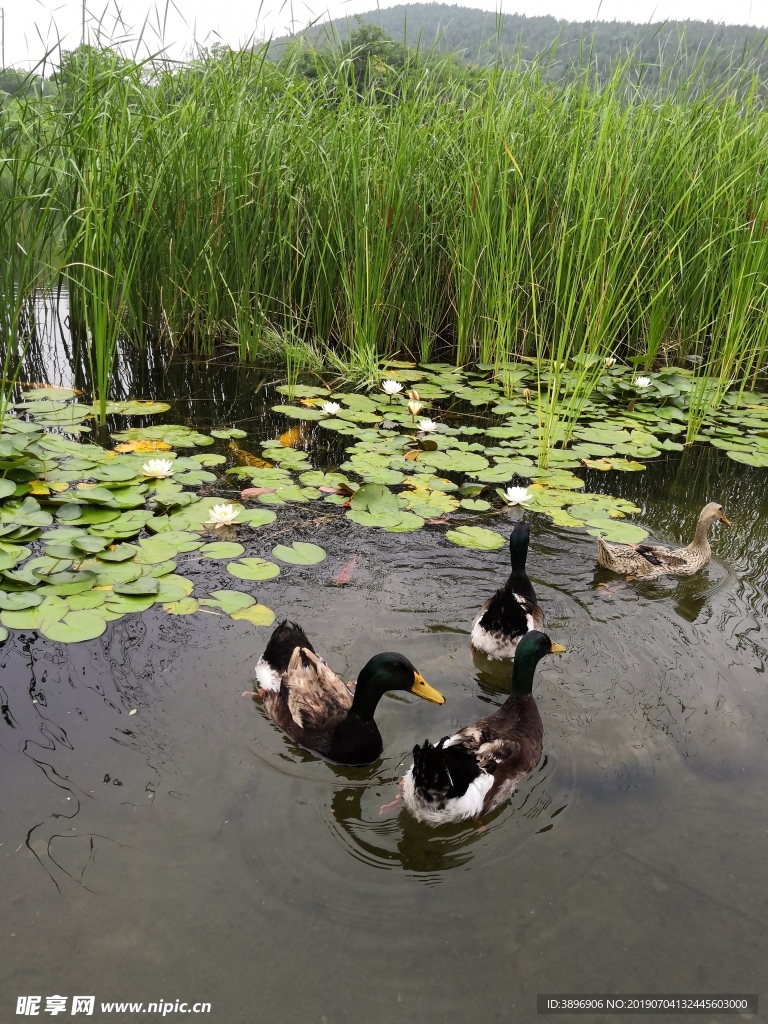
x,y
138,588
476,537
118,553
616,532
186,606
230,432
155,549
253,569
75,627
258,614
222,549
299,553
19,600
475,504
230,600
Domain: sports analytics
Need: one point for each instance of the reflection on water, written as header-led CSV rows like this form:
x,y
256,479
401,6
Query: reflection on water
x,y
193,849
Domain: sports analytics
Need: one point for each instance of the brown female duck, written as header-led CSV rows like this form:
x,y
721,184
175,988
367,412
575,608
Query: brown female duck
x,y
650,560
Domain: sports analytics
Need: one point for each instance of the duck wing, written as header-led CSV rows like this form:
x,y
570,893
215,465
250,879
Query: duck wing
x,y
312,691
660,556
488,750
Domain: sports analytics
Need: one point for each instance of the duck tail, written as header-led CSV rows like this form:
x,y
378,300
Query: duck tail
x,y
443,772
604,554
284,640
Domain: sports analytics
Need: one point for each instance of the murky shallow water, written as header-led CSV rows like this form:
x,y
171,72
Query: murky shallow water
x,y
193,852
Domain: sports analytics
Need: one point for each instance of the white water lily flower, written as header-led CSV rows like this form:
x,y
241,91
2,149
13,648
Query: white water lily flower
x,y
222,515
391,387
413,394
414,408
642,382
158,468
330,408
517,495
610,361
427,426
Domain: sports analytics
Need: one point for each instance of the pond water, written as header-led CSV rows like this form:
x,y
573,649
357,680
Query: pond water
x,y
192,852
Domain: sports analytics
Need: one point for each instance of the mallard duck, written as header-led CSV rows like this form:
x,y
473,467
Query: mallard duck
x,y
318,709
470,774
651,560
512,611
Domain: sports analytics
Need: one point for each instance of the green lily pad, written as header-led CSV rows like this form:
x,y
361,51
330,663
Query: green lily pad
x,y
475,504
299,412
476,537
92,516
758,459
6,487
222,549
19,600
155,549
254,569
125,604
138,588
75,627
119,553
230,600
25,618
257,614
616,532
89,544
299,553
186,606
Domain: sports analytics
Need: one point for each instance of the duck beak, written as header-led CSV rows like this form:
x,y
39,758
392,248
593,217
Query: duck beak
x,y
422,689
557,648
724,519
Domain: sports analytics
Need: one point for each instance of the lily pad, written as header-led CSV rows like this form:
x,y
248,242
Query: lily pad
x,y
222,549
118,553
253,569
75,627
476,537
230,600
138,588
186,606
257,614
299,553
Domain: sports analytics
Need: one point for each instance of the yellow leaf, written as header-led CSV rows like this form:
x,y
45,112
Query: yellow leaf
x,y
39,487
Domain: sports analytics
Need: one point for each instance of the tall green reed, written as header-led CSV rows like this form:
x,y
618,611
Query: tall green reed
x,y
489,215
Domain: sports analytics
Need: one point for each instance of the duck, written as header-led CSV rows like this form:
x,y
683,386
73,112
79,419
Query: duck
x,y
650,561
473,772
512,611
314,705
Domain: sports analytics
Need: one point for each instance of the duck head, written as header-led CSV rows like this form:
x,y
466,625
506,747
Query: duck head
x,y
389,671
532,647
713,512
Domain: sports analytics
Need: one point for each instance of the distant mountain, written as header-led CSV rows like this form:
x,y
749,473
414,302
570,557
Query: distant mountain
x,y
481,37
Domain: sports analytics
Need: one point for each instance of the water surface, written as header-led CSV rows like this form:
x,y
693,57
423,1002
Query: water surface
x,y
193,852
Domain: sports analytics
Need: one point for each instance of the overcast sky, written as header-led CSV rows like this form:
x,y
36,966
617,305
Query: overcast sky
x,y
33,26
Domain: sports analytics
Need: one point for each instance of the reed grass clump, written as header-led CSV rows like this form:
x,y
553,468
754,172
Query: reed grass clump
x,y
487,214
